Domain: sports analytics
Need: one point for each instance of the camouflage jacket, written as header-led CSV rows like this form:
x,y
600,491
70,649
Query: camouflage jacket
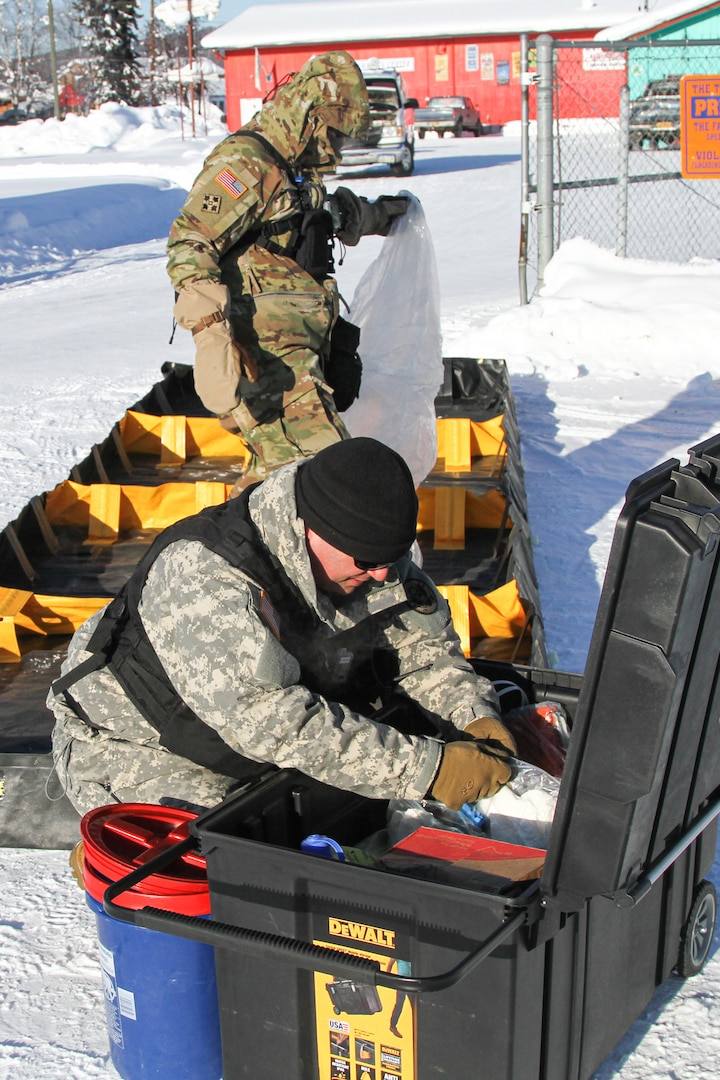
x,y
271,304
203,619
242,187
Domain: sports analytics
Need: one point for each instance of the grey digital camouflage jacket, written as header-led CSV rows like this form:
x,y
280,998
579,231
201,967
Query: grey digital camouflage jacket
x,y
202,617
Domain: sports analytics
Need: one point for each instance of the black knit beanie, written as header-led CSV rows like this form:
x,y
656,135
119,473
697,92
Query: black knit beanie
x,y
359,496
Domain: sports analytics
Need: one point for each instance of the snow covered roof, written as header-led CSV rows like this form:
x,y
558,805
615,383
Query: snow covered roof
x,y
192,73
379,20
647,21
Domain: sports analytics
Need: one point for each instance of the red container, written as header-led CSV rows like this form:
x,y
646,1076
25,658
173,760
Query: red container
x,y
123,837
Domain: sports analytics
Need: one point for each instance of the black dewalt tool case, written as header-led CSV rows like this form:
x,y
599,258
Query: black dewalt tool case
x,y
537,979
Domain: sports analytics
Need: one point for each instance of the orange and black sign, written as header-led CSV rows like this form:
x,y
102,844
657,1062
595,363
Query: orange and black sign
x,y
700,126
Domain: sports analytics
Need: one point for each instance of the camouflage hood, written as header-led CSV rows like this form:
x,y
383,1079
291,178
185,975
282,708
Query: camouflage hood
x,y
327,93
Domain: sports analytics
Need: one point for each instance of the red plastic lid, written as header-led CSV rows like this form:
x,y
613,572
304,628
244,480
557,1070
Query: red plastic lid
x,y
124,836
189,904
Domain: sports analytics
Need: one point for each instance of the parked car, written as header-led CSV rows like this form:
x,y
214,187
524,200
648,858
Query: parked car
x,y
40,110
390,138
13,115
33,110
448,114
655,116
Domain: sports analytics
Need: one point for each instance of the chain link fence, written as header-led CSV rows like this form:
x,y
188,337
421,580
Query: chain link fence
x,y
601,152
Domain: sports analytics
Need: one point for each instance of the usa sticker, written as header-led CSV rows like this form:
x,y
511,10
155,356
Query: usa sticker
x,y
230,182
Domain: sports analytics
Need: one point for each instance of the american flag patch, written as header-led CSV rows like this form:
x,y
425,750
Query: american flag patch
x,y
269,614
230,182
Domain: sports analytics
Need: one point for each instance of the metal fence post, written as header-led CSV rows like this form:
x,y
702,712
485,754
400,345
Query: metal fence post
x,y
524,168
545,199
623,171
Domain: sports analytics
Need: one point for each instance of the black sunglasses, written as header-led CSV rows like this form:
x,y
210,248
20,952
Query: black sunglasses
x,y
361,565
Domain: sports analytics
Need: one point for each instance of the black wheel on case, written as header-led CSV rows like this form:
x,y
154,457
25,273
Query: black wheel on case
x,y
697,934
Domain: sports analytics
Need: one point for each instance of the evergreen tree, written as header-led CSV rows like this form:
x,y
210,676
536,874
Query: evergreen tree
x,y
110,38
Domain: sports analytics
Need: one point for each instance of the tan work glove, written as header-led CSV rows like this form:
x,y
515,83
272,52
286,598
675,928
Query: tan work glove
x,y
202,308
467,773
487,727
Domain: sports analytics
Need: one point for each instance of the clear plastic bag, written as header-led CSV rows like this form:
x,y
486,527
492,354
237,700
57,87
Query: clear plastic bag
x,y
522,811
397,307
404,816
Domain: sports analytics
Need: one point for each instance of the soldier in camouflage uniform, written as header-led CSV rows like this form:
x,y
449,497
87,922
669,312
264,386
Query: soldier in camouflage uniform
x,y
250,260
297,687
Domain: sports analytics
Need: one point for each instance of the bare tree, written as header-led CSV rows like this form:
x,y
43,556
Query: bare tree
x,y
23,39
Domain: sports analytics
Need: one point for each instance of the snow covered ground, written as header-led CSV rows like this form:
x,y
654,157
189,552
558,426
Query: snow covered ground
x,y
614,369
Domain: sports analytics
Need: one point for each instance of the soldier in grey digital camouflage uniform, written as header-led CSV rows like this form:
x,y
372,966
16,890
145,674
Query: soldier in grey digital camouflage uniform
x,y
292,677
250,260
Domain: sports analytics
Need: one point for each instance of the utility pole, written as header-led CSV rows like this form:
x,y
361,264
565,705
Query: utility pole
x,y
191,50
53,60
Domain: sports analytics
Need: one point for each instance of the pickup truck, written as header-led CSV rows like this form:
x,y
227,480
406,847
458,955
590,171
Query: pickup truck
x,y
453,114
655,116
390,138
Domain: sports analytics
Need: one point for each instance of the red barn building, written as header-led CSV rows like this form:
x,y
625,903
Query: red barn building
x,y
468,47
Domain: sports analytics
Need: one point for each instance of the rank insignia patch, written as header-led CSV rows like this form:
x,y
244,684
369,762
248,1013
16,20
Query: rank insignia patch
x,y
211,204
230,182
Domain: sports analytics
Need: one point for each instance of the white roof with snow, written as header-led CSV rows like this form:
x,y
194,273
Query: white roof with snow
x,y
646,21
387,20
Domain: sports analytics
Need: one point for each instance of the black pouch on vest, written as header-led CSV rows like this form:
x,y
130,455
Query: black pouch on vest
x,y
314,251
343,367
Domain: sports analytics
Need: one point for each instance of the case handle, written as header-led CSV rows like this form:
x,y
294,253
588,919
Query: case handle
x,y
301,953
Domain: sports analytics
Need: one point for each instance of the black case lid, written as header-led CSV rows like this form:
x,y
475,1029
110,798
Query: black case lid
x,y
645,749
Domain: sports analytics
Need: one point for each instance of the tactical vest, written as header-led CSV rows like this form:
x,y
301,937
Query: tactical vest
x,y
308,235
310,243
346,666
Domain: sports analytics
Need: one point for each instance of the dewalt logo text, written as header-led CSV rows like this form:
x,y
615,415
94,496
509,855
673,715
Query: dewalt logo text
x,y
368,935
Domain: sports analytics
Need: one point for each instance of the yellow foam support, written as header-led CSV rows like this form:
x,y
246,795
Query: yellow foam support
x,y
26,612
108,509
103,514
457,598
466,445
449,518
172,440
52,615
11,603
497,614
204,437
486,511
456,443
209,493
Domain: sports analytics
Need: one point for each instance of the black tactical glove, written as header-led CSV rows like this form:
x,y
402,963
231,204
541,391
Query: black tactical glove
x,y
389,206
355,217
347,208
467,773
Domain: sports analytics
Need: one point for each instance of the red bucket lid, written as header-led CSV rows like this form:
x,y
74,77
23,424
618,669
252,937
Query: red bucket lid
x,y
190,904
122,837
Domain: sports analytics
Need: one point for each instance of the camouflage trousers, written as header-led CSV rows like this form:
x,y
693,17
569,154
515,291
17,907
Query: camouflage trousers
x,y
286,413
95,769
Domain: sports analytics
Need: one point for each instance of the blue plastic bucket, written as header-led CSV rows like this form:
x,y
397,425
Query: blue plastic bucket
x,y
160,990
